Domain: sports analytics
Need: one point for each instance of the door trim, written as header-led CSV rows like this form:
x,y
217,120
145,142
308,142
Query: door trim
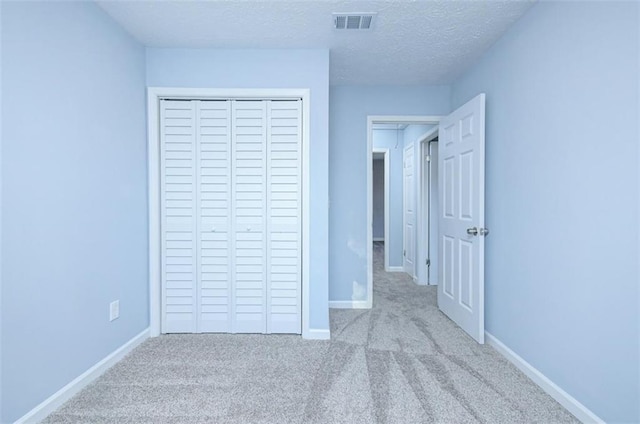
x,y
154,94
382,119
385,152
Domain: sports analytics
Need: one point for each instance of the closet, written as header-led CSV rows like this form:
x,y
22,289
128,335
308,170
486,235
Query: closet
x,y
231,217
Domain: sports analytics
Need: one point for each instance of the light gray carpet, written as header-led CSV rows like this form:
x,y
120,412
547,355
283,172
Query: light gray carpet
x,y
401,362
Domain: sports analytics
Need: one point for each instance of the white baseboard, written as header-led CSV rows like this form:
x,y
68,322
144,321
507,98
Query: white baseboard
x,y
378,239
317,334
349,304
395,269
580,411
56,400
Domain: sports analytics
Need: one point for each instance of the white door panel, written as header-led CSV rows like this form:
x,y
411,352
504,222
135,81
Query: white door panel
x,y
214,215
249,252
284,212
178,216
409,211
461,217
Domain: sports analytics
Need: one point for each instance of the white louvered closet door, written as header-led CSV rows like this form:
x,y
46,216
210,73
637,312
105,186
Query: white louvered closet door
x,y
231,216
214,215
249,199
284,216
178,216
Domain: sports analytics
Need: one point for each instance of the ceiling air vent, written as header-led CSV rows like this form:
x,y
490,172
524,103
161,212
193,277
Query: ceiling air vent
x,y
353,20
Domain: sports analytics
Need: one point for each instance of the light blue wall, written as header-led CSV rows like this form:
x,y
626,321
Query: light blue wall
x,y
562,197
74,215
392,140
412,133
349,108
269,69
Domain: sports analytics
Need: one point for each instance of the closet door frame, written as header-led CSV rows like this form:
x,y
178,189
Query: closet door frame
x,y
154,95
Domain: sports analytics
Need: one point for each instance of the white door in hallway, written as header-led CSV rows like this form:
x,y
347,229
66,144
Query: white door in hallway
x,y
461,217
409,192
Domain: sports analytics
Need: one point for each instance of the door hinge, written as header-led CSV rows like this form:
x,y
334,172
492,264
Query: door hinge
x,y
428,262
428,158
404,253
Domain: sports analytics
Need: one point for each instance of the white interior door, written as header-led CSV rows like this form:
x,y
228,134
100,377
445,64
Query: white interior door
x,y
409,196
284,216
461,217
178,216
214,214
249,206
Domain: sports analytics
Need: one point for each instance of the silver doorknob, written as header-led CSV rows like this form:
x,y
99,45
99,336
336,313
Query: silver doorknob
x,y
473,231
484,231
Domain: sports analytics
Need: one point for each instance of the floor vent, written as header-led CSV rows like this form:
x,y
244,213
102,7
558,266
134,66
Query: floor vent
x,y
353,20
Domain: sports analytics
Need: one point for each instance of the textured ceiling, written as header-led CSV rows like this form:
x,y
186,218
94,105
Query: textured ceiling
x,y
412,42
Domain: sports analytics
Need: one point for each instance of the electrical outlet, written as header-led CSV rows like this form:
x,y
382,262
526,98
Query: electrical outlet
x,y
114,310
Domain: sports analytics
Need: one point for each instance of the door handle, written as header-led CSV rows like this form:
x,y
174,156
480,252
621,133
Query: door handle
x,y
484,231
473,231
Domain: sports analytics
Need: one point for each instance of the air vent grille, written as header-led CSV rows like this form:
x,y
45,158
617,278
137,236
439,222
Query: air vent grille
x,y
353,20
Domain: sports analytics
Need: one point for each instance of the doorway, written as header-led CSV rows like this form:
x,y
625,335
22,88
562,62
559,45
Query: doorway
x,y
380,198
400,123
461,225
428,250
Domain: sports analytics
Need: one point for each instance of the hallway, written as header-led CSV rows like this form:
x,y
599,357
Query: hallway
x,y
420,367
401,362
